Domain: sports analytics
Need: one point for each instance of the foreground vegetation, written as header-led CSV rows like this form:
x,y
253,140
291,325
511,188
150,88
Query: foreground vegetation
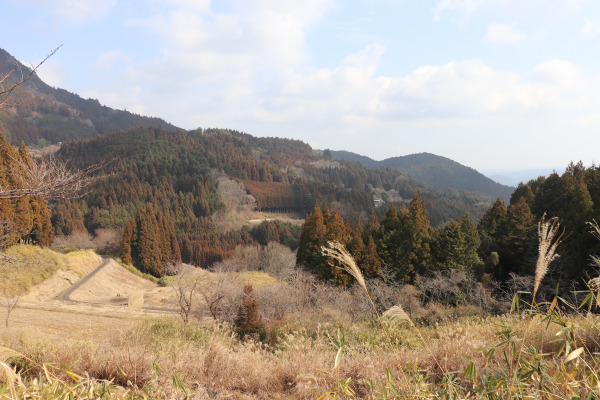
x,y
297,337
539,355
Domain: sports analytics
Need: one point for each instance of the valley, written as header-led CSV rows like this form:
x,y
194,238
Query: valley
x,y
211,263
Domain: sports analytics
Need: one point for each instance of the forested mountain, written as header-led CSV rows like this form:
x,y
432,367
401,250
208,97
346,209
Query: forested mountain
x,y
39,114
171,194
439,173
182,175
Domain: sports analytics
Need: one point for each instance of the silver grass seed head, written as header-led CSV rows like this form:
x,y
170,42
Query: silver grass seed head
x,y
337,251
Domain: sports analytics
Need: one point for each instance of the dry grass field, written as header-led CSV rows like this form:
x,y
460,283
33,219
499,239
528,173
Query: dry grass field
x,y
120,336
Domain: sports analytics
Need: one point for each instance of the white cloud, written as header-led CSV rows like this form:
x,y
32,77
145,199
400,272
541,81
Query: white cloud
x,y
249,68
515,9
503,34
131,99
106,61
466,7
560,73
591,28
197,5
75,11
52,72
468,89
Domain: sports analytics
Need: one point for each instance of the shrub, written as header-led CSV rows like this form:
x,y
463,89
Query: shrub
x,y
248,322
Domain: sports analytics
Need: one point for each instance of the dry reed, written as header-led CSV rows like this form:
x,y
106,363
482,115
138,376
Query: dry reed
x,y
396,315
548,242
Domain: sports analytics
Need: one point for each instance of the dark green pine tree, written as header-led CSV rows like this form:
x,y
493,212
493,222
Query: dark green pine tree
x,y
417,245
492,229
521,239
126,244
470,256
388,240
447,246
455,245
578,244
312,239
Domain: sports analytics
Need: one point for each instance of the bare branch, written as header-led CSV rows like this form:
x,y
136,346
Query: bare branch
x,y
50,179
5,91
11,304
186,288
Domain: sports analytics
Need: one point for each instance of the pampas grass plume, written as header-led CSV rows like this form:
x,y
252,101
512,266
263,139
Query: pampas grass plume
x,y
338,252
547,234
396,315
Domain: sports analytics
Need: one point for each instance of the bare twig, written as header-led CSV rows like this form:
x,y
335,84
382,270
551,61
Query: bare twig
x,y
48,178
11,304
186,289
6,90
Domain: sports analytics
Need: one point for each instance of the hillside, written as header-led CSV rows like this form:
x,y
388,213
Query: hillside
x,y
40,114
439,173
205,181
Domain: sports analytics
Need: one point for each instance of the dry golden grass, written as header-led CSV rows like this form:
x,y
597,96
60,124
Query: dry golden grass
x,y
34,265
165,358
215,363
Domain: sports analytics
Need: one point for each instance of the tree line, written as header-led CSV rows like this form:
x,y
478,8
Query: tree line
x,y
399,248
503,243
23,219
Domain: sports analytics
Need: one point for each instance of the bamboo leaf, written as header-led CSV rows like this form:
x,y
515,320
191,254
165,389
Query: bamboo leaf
x,y
574,354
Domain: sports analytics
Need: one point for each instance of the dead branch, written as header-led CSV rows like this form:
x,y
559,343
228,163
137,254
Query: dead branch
x,y
185,295
6,91
49,178
11,304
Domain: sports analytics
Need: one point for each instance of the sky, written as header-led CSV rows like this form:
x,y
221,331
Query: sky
x,y
491,84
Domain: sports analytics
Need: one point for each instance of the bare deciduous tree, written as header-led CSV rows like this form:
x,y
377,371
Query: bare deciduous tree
x,y
186,289
48,178
222,297
11,304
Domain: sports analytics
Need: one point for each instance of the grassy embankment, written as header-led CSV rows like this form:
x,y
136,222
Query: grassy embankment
x,y
31,265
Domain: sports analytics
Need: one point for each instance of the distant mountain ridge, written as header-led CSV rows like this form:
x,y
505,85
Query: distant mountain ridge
x,y
38,111
439,173
41,115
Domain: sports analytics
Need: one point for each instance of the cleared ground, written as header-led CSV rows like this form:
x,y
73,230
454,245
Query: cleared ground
x,y
97,309
90,298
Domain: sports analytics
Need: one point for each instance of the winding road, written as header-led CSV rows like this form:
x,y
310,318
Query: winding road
x,y
66,296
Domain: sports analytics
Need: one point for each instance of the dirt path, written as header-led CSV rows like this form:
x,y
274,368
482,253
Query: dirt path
x,y
66,296
95,307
